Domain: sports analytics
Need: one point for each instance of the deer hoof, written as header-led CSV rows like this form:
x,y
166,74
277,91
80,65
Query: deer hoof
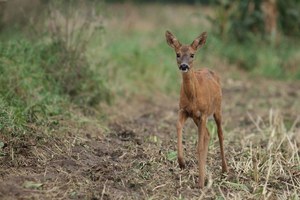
x,y
224,169
201,184
181,163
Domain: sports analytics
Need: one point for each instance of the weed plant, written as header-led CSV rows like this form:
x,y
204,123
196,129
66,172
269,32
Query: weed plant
x,y
44,76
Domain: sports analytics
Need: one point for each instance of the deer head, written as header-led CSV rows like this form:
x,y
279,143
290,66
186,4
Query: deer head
x,y
185,53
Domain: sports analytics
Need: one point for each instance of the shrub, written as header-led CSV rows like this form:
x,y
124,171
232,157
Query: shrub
x,y
40,77
249,32
71,30
26,93
243,19
289,17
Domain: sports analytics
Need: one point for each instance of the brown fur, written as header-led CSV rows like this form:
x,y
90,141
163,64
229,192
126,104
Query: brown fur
x,y
200,97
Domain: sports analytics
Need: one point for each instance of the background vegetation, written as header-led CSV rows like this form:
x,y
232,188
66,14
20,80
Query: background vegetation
x,y
43,64
45,57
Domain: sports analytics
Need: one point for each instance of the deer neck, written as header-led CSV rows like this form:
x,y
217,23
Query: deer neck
x,y
189,84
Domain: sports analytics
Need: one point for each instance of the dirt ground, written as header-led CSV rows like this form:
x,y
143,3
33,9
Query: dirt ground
x,y
134,158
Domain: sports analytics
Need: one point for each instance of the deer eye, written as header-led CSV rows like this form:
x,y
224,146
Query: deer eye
x,y
177,55
192,55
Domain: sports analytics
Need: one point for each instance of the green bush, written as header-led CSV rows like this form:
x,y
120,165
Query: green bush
x,y
72,73
243,20
26,91
245,41
289,17
39,80
239,20
70,30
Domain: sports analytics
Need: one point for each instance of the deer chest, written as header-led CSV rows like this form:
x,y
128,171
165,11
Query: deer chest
x,y
192,111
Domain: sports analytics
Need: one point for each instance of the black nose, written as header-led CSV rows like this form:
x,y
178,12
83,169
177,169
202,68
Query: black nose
x,y
184,67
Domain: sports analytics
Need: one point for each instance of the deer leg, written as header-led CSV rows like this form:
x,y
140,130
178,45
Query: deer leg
x,y
182,116
218,120
203,140
196,121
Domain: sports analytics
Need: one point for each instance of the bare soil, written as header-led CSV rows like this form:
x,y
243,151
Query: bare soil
x,y
135,157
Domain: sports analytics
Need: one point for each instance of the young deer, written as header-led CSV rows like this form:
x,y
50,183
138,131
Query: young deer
x,y
200,97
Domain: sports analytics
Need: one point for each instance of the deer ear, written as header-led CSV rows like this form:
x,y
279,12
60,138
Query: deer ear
x,y
199,41
172,40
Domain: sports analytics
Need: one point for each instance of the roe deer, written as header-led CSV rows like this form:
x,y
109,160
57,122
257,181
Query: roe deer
x,y
200,97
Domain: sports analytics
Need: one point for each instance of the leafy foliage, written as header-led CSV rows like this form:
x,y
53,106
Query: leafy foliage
x,y
289,20
38,78
71,30
244,19
238,19
259,36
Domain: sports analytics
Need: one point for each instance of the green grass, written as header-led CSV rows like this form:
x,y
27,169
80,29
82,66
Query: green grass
x,y
136,65
261,58
40,80
27,92
141,63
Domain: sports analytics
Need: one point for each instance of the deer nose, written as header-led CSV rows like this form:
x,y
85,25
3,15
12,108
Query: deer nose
x,y
184,67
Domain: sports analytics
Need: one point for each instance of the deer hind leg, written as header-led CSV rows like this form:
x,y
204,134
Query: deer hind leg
x,y
218,120
182,117
203,140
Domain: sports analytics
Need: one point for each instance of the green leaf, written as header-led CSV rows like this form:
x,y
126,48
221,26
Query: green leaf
x,y
172,155
237,186
1,144
219,198
32,185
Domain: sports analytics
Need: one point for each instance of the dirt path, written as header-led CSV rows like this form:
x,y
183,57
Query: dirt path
x,y
136,159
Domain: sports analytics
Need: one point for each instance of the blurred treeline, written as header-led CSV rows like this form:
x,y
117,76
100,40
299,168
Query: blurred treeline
x,y
239,17
164,1
267,18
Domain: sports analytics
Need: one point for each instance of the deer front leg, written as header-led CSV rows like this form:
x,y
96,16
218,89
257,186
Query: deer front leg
x,y
182,116
218,119
203,140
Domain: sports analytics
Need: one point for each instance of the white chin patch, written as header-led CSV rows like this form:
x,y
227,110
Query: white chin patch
x,y
186,70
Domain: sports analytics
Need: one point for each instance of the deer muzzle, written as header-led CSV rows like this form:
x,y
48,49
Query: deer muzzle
x,y
184,67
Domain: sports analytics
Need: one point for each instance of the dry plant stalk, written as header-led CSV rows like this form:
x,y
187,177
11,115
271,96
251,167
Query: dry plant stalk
x,y
72,26
255,167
